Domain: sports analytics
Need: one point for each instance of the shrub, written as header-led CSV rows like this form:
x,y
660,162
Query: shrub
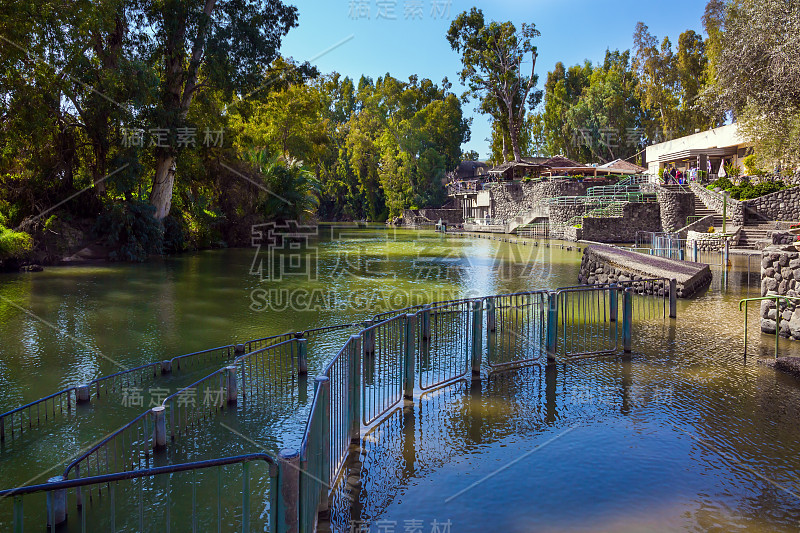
x,y
14,244
710,229
174,235
751,167
130,230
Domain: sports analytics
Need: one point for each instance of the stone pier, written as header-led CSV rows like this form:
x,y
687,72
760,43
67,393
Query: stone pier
x,y
610,264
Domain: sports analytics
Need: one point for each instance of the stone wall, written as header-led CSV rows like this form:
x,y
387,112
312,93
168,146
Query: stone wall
x,y
712,242
780,274
560,214
781,205
714,200
513,198
783,237
698,225
635,217
676,207
412,217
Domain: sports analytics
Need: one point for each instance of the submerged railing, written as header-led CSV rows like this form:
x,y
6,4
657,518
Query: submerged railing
x,y
400,356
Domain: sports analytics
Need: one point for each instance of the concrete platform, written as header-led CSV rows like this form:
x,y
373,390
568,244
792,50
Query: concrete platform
x,y
601,264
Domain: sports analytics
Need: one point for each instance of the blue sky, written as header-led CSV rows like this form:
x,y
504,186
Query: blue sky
x,y
572,31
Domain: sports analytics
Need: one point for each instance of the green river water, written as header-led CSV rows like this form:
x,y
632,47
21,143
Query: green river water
x,y
686,433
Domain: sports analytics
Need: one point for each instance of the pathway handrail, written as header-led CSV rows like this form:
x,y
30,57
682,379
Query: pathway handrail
x,y
776,298
10,414
133,474
94,449
392,354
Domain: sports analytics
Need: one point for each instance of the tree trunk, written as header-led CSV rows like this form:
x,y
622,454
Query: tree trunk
x,y
512,131
161,194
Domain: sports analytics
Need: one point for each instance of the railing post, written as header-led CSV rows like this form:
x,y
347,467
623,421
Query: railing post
x,y
426,323
159,426
302,356
166,366
369,338
727,253
83,393
613,302
288,508
695,252
355,391
627,320
477,338
491,315
323,386
409,329
673,298
238,350
231,385
56,504
552,325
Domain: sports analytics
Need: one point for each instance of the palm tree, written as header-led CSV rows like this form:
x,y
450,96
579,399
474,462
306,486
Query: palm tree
x,y
290,191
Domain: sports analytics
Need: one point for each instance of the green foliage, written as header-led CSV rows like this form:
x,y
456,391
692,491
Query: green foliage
x,y
130,230
732,170
751,166
492,55
14,244
721,183
747,190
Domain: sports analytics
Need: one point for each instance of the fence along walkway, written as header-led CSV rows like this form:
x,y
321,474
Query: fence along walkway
x,y
392,360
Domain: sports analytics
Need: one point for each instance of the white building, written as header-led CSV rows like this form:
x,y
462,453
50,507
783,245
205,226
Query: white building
x,y
695,151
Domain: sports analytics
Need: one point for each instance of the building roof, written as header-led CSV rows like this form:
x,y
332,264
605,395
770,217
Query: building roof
x,y
623,167
559,161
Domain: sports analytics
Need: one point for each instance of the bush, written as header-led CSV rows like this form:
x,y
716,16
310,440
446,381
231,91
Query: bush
x,y
174,235
751,167
747,191
130,230
14,244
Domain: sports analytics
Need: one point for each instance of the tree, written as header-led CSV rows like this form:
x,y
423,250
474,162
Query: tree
x,y
492,56
225,41
758,75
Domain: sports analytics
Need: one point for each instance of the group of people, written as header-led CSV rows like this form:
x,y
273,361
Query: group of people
x,y
675,175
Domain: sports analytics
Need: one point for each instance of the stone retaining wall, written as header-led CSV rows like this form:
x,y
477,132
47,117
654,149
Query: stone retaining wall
x,y
714,200
413,217
712,242
513,198
780,274
676,207
698,225
781,205
635,217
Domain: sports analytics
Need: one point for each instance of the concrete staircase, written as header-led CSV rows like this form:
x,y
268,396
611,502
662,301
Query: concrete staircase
x,y
756,233
700,209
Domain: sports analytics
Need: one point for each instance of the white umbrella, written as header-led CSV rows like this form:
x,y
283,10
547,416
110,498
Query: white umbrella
x,y
721,173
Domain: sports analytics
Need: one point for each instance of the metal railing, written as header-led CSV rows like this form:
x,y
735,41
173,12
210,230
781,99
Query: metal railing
x,y
516,327
128,448
25,417
443,335
537,229
160,511
587,318
384,345
270,369
343,373
390,361
774,298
